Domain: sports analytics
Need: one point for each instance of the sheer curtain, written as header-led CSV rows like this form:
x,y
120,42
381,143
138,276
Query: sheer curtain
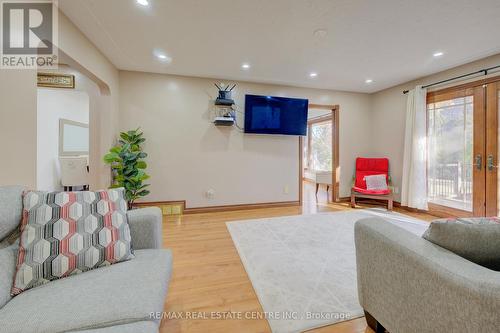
x,y
414,183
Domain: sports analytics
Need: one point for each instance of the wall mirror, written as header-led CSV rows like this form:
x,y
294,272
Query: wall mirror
x,y
73,138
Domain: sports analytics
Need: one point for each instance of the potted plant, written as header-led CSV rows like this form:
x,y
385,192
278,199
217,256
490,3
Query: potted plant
x,y
127,163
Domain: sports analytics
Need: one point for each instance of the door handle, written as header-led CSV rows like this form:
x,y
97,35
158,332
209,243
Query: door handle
x,y
490,163
478,161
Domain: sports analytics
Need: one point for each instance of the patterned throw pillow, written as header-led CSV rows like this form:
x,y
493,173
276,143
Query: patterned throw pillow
x,y
66,233
376,182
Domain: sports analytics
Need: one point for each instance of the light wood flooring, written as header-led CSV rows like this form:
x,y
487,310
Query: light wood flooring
x,y
209,276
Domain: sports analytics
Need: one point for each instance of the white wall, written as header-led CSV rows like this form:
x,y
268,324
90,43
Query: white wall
x,y
389,115
189,155
18,127
313,113
53,105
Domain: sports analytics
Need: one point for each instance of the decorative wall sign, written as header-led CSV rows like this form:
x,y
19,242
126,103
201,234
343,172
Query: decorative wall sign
x,y
53,80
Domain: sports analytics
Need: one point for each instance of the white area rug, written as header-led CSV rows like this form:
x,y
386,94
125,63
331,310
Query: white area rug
x,y
303,268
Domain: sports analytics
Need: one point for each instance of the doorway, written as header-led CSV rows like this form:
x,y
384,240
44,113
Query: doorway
x,y
462,163
62,135
68,135
319,157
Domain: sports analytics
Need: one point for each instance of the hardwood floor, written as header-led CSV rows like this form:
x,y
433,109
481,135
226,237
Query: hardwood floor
x,y
209,276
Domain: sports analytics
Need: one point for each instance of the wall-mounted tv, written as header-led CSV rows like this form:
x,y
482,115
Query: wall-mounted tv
x,y
275,115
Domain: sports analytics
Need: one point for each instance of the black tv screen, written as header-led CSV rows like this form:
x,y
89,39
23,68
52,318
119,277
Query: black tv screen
x,y
275,115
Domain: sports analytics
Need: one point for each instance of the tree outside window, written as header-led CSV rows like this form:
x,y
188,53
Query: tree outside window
x,y
320,146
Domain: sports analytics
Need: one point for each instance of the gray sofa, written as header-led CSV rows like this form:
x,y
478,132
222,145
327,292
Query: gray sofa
x,y
407,284
117,298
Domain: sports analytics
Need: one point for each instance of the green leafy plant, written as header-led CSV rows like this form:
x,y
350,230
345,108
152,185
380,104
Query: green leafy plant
x,y
127,162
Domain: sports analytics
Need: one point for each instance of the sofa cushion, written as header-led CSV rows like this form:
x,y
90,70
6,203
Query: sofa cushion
x,y
118,294
475,239
66,233
8,258
11,209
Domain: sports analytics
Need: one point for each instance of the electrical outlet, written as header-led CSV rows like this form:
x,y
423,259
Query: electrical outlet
x,y
286,189
210,193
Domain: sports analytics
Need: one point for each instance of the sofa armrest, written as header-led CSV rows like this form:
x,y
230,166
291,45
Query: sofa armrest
x,y
146,228
411,285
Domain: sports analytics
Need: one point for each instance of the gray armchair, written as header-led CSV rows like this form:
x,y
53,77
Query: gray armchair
x,y
407,284
119,298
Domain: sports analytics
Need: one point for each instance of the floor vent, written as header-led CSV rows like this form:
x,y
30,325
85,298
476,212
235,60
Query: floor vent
x,y
172,209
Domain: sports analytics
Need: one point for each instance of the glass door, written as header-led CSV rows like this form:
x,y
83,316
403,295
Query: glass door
x,y
450,121
462,127
493,205
491,148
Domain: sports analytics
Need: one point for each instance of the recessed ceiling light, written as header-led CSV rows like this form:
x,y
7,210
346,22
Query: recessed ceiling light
x,y
438,54
245,66
143,2
313,74
163,57
368,81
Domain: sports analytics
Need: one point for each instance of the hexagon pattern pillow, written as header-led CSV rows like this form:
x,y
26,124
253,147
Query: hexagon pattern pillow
x,y
66,233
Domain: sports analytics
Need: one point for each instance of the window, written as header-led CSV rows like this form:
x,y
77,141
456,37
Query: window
x,y
318,146
450,152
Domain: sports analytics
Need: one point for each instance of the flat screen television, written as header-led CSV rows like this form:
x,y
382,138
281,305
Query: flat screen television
x,y
275,115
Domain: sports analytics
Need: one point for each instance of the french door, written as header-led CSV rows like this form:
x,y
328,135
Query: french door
x,y
462,133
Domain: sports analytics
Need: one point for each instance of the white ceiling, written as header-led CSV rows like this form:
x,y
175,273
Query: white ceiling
x,y
389,41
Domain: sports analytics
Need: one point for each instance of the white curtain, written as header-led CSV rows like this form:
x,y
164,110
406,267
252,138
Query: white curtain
x,y
414,183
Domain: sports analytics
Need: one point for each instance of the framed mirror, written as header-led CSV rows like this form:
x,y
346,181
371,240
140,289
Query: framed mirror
x,y
73,138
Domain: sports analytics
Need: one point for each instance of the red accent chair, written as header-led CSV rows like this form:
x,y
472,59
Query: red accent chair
x,y
369,167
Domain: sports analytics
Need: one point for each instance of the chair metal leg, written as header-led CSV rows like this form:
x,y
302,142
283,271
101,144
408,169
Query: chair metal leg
x,y
353,200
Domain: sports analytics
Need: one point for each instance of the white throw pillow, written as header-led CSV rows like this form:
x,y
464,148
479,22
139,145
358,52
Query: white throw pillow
x,y
376,182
